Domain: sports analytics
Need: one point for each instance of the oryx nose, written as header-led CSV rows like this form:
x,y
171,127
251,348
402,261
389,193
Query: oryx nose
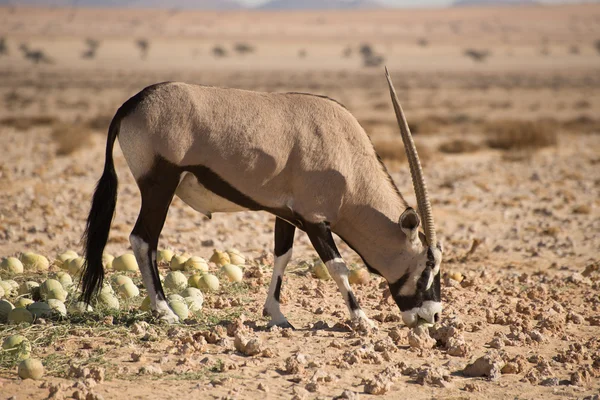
x,y
436,317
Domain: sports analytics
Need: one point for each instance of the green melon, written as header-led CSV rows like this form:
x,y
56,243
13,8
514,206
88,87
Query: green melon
x,y
64,278
128,290
48,285
180,309
194,303
176,281
17,345
58,306
40,309
209,282
192,292
34,262
20,315
75,266
11,265
5,308
109,301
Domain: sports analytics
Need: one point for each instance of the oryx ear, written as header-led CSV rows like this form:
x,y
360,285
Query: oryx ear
x,y
409,223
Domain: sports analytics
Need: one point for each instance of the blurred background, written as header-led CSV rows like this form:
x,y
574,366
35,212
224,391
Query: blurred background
x,y
502,97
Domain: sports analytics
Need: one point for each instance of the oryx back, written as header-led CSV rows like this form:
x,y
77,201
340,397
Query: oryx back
x,y
289,153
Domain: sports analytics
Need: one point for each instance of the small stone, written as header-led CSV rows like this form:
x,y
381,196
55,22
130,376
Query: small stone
x,y
419,338
263,387
312,387
488,365
348,395
377,386
472,387
550,382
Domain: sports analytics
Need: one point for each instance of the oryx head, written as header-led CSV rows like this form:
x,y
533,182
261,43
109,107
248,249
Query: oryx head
x,y
417,290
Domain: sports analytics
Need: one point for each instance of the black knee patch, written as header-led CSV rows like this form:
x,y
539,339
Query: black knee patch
x,y
352,302
277,289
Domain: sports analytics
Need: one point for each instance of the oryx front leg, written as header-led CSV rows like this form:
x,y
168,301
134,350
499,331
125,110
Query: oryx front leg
x,y
157,188
322,240
284,240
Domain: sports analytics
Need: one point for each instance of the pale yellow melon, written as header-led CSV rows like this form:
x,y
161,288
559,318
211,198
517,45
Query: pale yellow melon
x,y
233,272
196,264
125,263
11,265
31,368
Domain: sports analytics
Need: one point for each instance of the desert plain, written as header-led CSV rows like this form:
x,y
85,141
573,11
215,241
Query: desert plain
x,y
504,106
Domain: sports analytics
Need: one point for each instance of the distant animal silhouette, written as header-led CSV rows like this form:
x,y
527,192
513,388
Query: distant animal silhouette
x,y
35,56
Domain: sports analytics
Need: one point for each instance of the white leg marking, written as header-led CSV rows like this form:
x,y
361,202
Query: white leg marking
x,y
272,306
140,249
339,272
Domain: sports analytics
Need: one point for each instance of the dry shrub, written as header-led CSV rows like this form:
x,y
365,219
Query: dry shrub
x,y
100,123
457,146
70,137
514,134
391,150
582,124
26,123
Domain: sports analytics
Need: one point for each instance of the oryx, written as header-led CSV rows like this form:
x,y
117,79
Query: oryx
x,y
301,157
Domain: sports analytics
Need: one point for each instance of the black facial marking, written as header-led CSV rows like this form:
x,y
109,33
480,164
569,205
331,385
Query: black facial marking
x,y
284,236
352,301
278,289
421,295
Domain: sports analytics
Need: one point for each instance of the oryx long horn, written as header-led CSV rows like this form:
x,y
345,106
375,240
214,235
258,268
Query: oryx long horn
x,y
415,168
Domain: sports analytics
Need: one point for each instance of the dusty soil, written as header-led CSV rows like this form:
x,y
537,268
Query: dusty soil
x,y
520,227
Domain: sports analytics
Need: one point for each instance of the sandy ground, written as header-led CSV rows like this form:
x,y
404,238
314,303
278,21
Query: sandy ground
x,y
527,296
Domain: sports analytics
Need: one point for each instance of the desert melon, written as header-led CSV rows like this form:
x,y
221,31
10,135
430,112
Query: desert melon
x,y
176,281
196,264
220,258
125,263
178,263
19,316
31,368
11,265
34,262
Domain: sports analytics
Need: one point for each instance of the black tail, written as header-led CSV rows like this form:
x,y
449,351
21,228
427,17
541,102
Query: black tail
x,y
99,220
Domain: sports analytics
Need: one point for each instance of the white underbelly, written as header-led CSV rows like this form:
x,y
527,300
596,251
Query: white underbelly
x,y
201,199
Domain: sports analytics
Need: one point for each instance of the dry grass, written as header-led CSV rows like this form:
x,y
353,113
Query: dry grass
x,y
70,137
458,146
26,123
514,134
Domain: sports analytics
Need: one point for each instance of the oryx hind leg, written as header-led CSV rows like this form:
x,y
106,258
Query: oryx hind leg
x,y
284,241
322,240
157,188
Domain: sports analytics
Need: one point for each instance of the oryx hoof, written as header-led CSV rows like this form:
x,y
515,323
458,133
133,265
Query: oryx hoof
x,y
167,316
283,325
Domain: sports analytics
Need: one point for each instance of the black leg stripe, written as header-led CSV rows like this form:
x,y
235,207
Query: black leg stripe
x,y
284,236
277,289
352,302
